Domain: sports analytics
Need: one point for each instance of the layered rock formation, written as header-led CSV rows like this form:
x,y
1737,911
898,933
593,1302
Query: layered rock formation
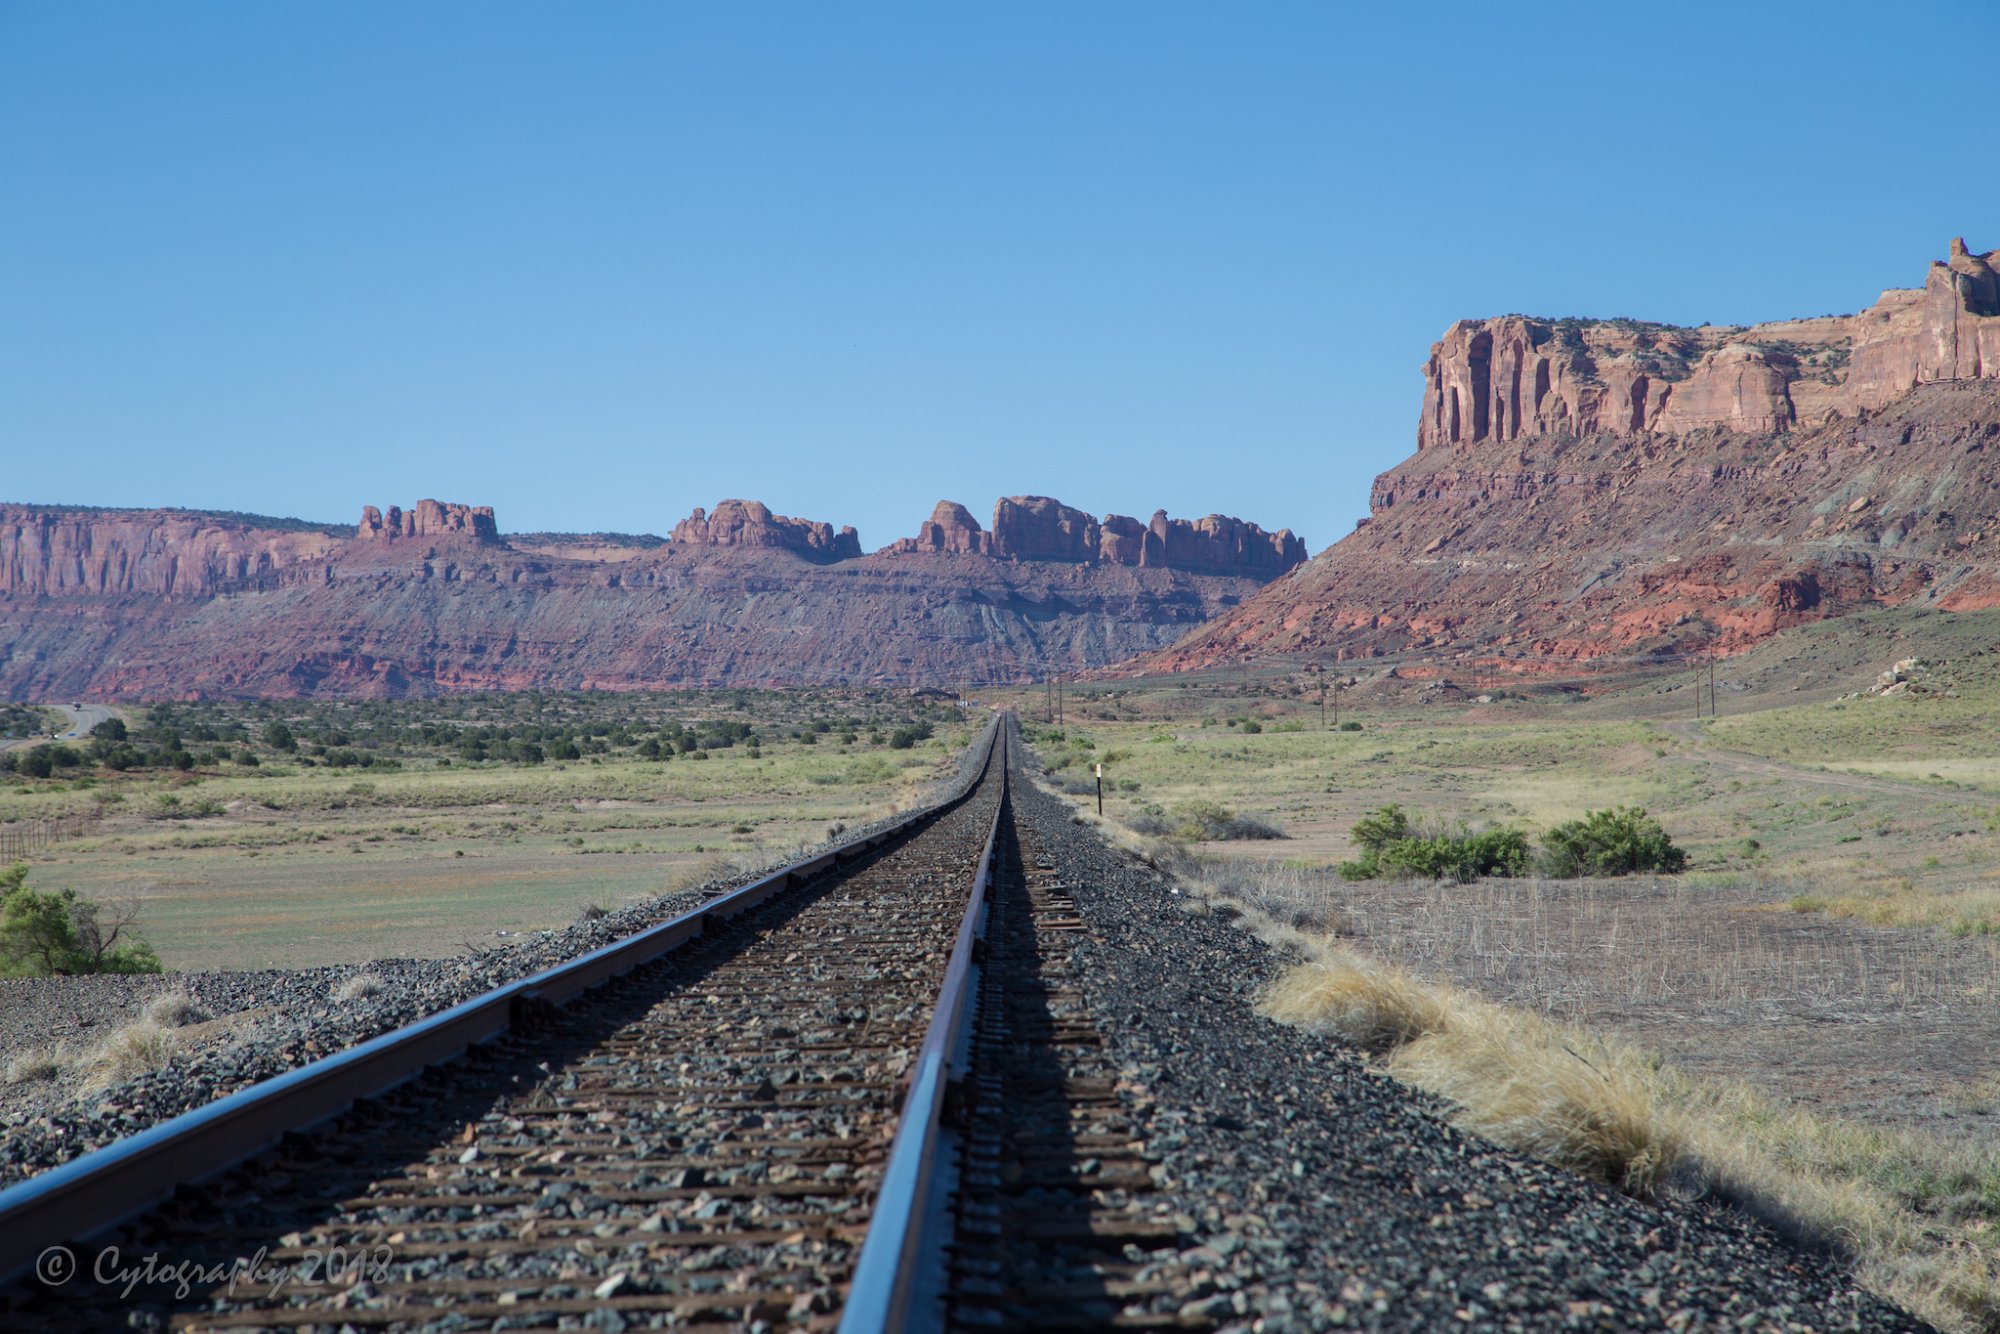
x,y
1042,528
56,551
151,604
1514,377
746,523
431,521
1585,490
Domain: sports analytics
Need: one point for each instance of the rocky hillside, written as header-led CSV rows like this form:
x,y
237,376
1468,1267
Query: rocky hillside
x,y
160,603
1582,489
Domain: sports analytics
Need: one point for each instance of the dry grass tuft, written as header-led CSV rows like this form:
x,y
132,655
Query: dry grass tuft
x,y
37,1063
362,986
1919,1218
1581,1104
127,1053
1377,1007
175,1009
714,867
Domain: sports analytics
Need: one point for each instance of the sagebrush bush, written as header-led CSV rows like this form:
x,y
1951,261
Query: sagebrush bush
x,y
1206,821
1625,841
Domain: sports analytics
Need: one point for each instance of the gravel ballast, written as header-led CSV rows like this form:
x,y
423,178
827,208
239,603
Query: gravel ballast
x,y
265,1023
1311,1192
1330,1196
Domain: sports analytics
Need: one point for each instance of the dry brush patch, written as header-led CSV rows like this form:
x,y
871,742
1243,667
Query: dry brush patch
x,y
1918,1216
128,1052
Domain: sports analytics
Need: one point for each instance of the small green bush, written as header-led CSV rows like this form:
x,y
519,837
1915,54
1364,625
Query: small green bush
x,y
1350,726
1464,855
57,934
1626,841
1391,846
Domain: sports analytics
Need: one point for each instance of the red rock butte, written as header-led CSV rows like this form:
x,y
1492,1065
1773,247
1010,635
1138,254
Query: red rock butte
x,y
431,520
746,523
1584,488
1502,379
1041,528
177,604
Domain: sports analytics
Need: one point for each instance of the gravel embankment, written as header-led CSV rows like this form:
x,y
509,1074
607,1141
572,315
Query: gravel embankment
x,y
1325,1195
265,1023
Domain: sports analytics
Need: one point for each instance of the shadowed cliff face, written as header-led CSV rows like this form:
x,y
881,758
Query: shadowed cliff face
x,y
147,604
1582,489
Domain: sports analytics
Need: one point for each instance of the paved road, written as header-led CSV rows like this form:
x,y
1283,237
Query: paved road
x,y
82,718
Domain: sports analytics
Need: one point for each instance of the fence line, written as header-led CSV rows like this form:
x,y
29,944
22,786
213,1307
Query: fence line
x,y
28,837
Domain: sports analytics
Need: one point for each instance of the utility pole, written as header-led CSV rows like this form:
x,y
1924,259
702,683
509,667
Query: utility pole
x,y
1322,704
1712,711
1697,690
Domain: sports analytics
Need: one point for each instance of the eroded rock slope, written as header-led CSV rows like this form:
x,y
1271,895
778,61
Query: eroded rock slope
x,y
1587,489
155,604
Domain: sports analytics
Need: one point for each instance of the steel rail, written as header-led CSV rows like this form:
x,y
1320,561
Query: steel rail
x,y
108,1186
900,1273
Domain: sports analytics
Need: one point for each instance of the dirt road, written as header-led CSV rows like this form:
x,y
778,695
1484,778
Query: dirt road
x,y
1746,763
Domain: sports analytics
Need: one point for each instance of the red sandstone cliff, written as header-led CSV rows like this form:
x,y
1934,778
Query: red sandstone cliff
x,y
432,521
746,523
53,551
1582,489
1041,528
1503,379
148,604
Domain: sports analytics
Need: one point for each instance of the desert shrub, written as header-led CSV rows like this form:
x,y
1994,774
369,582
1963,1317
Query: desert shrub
x,y
1248,827
57,934
1460,855
1391,846
1350,726
1205,820
1151,824
905,737
1625,841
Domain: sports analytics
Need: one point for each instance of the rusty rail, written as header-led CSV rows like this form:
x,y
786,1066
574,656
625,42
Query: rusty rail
x,y
121,1181
900,1277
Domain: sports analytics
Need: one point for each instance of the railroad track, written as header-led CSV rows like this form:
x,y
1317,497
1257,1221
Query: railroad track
x,y
856,1094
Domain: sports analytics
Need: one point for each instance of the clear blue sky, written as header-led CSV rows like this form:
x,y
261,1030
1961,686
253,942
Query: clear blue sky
x,y
597,264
